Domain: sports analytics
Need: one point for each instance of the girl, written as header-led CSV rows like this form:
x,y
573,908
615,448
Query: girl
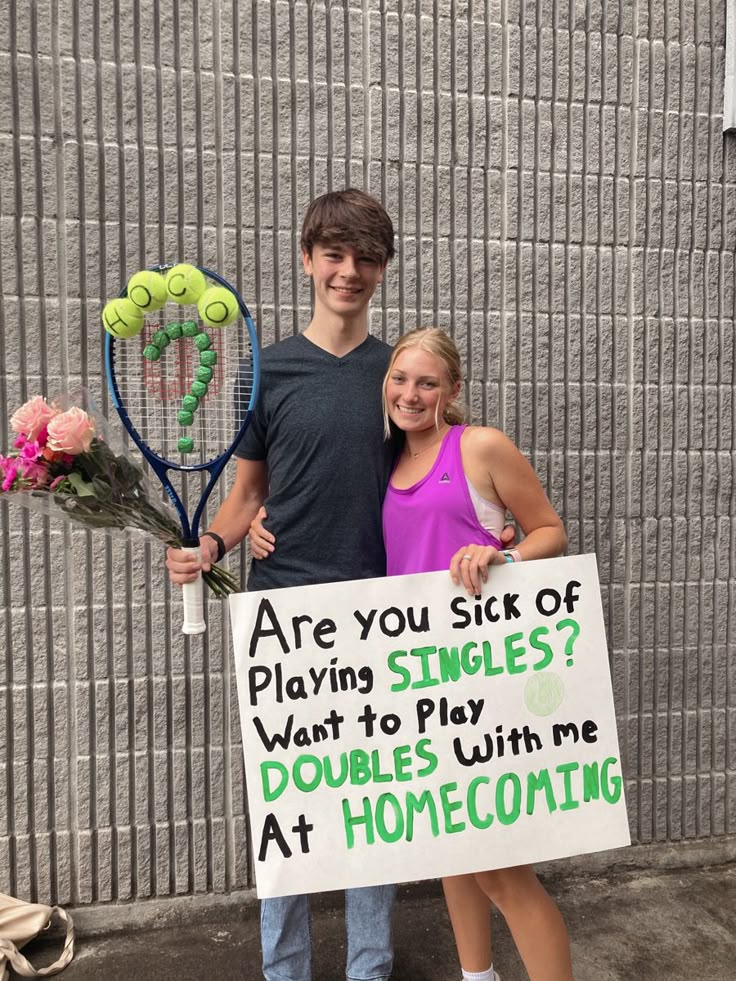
x,y
445,506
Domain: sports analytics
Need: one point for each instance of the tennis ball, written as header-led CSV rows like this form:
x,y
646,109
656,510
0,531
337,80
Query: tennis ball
x,y
122,318
147,289
185,283
217,306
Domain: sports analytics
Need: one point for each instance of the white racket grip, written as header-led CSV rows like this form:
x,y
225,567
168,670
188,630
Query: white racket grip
x,y
193,603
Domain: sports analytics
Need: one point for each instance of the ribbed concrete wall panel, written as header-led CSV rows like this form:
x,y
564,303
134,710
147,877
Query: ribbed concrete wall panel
x,y
565,203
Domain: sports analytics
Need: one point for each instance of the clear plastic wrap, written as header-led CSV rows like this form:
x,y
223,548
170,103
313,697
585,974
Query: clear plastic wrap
x,y
66,461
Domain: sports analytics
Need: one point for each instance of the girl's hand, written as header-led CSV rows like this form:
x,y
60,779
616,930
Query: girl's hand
x,y
469,565
262,542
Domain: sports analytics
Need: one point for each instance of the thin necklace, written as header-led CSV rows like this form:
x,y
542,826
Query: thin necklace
x,y
414,455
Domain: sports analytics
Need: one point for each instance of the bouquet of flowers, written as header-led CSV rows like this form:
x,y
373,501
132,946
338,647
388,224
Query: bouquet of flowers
x,y
64,462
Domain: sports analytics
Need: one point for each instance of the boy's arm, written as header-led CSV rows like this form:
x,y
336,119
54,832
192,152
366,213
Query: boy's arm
x,y
262,542
231,522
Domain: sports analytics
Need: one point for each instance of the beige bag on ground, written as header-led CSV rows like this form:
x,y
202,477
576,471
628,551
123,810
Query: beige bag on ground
x,y
19,923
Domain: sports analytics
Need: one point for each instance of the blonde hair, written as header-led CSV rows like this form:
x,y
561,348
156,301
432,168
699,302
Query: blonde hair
x,y
436,342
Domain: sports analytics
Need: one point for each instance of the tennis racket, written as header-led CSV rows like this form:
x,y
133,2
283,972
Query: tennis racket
x,y
184,390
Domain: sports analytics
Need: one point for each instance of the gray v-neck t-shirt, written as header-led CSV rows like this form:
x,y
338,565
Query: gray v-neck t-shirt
x,y
318,425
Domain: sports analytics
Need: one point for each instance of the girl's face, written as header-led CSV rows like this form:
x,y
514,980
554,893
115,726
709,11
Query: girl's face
x,y
418,390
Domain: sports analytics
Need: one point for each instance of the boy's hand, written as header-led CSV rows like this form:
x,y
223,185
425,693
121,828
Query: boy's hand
x,y
262,542
184,567
508,536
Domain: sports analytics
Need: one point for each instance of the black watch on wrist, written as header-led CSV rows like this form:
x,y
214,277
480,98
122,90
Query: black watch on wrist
x,y
221,549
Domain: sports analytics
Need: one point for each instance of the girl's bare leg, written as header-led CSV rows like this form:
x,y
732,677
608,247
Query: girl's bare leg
x,y
534,920
470,915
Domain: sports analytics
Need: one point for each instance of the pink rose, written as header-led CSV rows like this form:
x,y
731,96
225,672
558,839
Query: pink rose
x,y
32,417
71,432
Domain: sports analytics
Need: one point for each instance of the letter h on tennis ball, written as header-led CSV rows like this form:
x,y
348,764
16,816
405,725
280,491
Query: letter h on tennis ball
x,y
145,409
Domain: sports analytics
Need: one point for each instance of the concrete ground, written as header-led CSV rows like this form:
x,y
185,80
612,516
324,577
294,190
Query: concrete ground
x,y
634,926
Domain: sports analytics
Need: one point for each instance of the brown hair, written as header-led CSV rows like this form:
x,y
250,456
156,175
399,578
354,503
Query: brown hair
x,y
352,218
441,345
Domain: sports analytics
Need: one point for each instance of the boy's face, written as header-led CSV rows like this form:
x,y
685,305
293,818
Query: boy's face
x,y
344,280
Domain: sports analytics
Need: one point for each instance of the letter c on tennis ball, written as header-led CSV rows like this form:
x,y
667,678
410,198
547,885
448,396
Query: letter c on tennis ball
x,y
147,289
217,306
122,318
185,283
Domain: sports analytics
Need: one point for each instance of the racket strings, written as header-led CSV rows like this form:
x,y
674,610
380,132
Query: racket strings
x,y
196,388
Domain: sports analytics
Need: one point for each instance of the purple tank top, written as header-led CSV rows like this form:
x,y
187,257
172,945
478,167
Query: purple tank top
x,y
424,525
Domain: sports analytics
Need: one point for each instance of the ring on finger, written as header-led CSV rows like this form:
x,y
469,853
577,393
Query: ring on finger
x,y
466,558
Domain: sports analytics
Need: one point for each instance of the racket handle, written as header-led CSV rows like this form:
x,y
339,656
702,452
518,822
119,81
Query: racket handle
x,y
193,603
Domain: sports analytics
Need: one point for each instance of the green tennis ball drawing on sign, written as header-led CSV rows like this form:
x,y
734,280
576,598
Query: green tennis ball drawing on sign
x,y
181,358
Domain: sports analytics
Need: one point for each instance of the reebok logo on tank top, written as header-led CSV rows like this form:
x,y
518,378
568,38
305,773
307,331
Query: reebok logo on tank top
x,y
445,478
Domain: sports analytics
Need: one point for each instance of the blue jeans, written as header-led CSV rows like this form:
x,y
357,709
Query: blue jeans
x,y
286,936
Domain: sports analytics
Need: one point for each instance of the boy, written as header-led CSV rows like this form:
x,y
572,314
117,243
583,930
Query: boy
x,y
315,455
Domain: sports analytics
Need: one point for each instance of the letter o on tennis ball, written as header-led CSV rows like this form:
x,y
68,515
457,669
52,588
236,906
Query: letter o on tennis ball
x,y
217,306
185,283
147,289
122,318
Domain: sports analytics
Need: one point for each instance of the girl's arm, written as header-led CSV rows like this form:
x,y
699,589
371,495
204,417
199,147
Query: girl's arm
x,y
500,473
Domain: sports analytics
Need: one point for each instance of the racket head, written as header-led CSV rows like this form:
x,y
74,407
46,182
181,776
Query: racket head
x,y
149,391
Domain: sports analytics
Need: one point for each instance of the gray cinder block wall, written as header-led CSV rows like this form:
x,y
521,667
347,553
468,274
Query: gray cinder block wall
x,y
565,205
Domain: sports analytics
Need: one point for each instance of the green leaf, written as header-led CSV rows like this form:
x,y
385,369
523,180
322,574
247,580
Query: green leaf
x,y
81,486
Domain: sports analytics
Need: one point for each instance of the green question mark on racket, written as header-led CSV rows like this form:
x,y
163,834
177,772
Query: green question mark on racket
x,y
207,360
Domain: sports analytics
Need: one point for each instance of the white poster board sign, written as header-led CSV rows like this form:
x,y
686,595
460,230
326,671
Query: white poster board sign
x,y
398,729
